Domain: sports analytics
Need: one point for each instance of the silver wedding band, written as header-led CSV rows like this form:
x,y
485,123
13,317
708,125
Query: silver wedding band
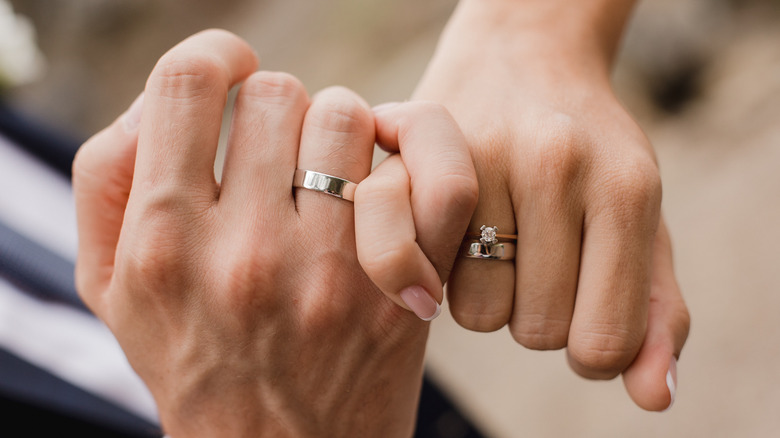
x,y
328,184
490,245
483,251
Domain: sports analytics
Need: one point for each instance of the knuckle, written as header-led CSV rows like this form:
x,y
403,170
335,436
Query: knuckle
x,y
604,353
479,317
378,188
495,145
245,275
83,163
182,74
539,340
161,241
153,261
457,195
273,87
560,160
485,321
337,109
164,206
103,170
327,298
471,310
433,113
681,319
538,332
634,185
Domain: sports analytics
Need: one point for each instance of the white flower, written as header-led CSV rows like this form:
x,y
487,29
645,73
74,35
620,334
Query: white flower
x,y
20,60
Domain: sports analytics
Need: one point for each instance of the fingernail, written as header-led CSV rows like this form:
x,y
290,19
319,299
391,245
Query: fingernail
x,y
385,106
132,117
671,381
421,303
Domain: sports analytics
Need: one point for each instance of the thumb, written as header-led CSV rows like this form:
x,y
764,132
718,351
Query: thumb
x,y
651,380
102,177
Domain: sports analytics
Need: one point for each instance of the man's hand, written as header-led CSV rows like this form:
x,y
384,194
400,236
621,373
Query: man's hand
x,y
242,305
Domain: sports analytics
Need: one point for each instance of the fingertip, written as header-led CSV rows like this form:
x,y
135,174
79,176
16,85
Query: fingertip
x,y
435,314
671,382
224,34
387,142
651,381
421,302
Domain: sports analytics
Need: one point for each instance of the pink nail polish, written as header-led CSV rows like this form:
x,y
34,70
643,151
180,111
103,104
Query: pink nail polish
x,y
132,118
421,303
671,381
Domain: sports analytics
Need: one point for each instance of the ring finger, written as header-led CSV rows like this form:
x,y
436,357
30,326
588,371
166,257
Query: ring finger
x,y
481,292
338,140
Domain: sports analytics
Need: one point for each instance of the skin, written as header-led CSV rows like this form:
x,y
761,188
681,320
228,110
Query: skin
x,y
562,164
197,275
242,304
401,221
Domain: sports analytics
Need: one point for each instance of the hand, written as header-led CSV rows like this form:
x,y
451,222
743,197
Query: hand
x,y
242,305
562,164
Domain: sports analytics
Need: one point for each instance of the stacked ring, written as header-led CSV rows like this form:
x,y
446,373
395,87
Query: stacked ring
x,y
498,251
490,246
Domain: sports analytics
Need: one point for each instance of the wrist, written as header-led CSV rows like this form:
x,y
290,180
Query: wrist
x,y
578,31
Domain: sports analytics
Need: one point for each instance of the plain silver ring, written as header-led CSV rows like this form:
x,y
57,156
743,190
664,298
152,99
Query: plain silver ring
x,y
321,182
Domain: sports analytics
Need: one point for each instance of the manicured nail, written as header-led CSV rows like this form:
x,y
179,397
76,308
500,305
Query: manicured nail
x,y
385,106
671,381
421,303
132,118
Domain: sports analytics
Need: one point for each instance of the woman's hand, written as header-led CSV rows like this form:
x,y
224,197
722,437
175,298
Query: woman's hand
x,y
242,305
562,164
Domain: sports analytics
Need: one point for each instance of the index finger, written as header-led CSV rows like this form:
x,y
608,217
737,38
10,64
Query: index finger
x,y
185,98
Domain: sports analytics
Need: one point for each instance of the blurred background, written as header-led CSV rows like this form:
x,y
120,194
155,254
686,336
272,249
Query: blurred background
x,y
701,76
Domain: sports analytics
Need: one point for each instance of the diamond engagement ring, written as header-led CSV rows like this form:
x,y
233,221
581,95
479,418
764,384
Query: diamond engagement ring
x,y
490,246
490,235
328,184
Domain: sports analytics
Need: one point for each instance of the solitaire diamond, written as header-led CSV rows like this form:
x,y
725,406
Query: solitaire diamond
x,y
488,235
